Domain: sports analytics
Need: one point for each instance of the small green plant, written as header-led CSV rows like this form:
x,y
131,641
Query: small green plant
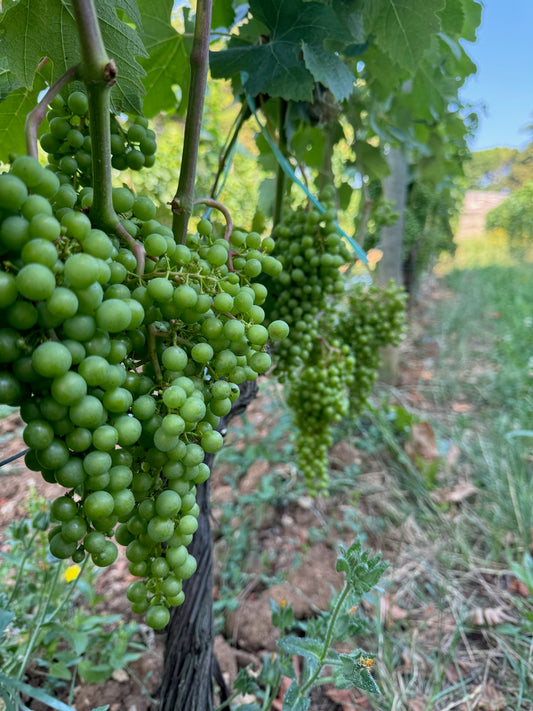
x,y
320,662
46,627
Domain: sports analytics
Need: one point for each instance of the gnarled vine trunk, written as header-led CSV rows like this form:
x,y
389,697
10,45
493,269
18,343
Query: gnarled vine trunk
x,y
187,683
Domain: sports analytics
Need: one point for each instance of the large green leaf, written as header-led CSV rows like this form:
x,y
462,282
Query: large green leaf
x,y
223,14
472,12
34,29
329,69
13,112
274,64
403,28
452,17
167,64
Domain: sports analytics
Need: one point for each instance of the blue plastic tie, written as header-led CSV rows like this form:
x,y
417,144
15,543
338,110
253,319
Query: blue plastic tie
x,y
289,172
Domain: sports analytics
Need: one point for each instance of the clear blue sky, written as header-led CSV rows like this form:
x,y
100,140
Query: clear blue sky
x,y
504,80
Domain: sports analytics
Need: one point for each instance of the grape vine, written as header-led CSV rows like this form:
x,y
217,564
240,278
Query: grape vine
x,y
122,378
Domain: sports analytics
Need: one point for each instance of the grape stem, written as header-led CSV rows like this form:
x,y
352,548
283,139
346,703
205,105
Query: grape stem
x,y
182,202
152,352
210,202
98,73
136,247
36,115
224,160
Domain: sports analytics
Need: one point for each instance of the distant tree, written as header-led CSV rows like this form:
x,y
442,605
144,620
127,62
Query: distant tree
x,y
500,168
489,169
514,215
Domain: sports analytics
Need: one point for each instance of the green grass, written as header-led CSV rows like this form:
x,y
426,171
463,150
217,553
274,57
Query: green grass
x,y
454,562
451,629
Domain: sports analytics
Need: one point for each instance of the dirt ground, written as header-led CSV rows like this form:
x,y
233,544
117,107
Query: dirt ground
x,y
307,570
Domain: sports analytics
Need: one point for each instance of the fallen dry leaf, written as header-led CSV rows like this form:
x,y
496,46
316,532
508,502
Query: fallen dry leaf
x,y
491,698
489,616
461,491
345,699
283,688
518,587
452,456
417,704
461,407
389,611
422,442
426,375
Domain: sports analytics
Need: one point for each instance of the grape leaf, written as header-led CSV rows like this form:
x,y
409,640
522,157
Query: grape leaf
x,y
223,14
7,83
13,111
352,18
167,64
452,17
329,69
274,64
34,29
403,28
472,12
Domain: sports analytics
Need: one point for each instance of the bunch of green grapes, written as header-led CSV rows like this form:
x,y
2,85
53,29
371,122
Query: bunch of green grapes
x,y
121,377
318,398
311,252
372,317
68,141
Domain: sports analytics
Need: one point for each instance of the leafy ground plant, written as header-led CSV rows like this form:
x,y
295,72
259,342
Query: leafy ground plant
x,y
318,661
47,632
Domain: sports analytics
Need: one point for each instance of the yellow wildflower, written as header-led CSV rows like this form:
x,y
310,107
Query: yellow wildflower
x,y
71,573
367,662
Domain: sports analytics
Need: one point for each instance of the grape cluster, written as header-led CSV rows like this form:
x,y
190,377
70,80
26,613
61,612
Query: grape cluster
x,y
311,251
318,398
373,317
68,142
331,355
121,377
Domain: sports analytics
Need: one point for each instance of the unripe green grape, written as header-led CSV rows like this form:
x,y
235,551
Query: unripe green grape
x,y
87,413
81,270
97,505
61,548
28,169
124,503
155,244
51,359
192,410
202,352
129,430
78,103
160,289
68,388
35,282
212,442
167,504
135,159
157,617
187,569
39,251
185,297
13,192
160,529
143,208
74,529
107,556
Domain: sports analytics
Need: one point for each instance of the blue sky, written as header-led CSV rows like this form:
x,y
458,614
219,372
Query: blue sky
x,y
504,81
